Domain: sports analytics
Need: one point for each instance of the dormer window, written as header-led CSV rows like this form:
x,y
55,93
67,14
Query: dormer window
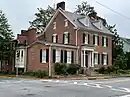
x,y
54,25
66,22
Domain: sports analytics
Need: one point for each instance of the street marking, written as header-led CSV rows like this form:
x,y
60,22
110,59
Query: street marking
x,y
95,85
119,90
128,90
65,82
75,82
125,96
57,81
107,86
116,81
85,84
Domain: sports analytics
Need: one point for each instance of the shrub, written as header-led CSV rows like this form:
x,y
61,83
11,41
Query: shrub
x,y
101,70
29,73
60,68
73,68
40,73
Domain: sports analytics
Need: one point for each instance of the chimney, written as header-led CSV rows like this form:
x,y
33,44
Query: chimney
x,y
61,5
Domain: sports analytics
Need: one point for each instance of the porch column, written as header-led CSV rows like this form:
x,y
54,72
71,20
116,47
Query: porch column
x,y
92,59
89,59
82,65
49,65
84,59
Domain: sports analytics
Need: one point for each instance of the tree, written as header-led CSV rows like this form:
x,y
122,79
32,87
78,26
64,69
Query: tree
x,y
42,18
84,9
119,58
6,35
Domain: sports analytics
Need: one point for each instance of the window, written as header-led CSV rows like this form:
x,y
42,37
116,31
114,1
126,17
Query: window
x,y
96,58
54,38
58,54
104,58
85,38
104,41
43,56
95,39
66,38
66,22
54,25
69,57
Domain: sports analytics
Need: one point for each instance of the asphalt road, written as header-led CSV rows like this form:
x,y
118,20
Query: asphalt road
x,y
119,87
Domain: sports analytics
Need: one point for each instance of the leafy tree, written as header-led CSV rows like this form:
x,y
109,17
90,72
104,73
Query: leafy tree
x,y
119,58
6,35
84,8
42,18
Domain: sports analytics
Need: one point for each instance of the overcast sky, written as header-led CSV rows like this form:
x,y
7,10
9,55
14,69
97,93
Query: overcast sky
x,y
19,12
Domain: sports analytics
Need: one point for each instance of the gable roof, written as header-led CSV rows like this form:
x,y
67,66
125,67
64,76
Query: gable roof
x,y
75,20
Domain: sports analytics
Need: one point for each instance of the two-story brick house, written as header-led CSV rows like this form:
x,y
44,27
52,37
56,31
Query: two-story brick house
x,y
71,38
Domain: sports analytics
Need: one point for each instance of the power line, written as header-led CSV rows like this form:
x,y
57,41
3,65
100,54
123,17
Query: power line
x,y
113,10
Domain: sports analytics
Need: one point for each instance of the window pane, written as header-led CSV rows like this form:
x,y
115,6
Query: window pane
x,y
96,58
69,57
96,40
58,56
105,59
44,56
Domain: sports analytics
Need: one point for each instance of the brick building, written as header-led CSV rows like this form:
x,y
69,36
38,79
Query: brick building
x,y
71,38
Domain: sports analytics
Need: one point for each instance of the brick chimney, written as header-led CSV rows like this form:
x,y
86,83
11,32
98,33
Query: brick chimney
x,y
61,5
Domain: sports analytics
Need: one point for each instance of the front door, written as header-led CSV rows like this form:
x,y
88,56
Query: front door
x,y
86,59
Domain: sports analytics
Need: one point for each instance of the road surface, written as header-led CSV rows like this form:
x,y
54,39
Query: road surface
x,y
119,87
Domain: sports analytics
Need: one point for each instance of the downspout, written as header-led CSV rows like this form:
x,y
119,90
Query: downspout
x,y
77,57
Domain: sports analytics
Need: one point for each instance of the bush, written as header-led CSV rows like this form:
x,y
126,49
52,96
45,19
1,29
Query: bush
x,y
40,74
60,68
29,73
73,68
101,70
65,69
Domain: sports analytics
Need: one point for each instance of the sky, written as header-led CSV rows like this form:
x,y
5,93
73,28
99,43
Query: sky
x,y
20,12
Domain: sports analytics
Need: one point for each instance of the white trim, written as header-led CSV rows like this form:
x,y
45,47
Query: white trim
x,y
54,34
96,52
105,53
54,25
88,49
66,23
66,32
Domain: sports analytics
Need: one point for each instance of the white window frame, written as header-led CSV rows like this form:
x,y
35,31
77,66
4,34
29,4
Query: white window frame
x,y
22,51
96,58
66,22
66,38
54,38
58,56
105,58
44,56
54,25
69,57
105,41
86,37
96,39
